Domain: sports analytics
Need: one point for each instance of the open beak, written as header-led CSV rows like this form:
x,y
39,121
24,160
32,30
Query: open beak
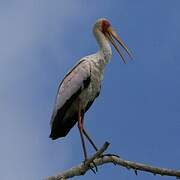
x,y
110,34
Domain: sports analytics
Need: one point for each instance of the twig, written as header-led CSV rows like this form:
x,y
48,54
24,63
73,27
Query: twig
x,y
100,160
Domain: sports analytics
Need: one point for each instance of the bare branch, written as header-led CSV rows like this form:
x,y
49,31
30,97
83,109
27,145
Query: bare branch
x,y
99,160
80,169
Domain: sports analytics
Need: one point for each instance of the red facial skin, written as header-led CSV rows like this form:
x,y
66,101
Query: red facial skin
x,y
105,25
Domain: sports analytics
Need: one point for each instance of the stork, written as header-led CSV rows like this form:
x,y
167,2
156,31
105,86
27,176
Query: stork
x,y
82,85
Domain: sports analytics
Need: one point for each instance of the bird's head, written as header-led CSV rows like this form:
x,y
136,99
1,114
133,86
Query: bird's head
x,y
104,26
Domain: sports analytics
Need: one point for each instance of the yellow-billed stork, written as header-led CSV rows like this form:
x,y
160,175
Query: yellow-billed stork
x,y
82,84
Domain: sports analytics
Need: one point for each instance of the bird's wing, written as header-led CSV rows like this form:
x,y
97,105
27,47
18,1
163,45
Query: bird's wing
x,y
74,81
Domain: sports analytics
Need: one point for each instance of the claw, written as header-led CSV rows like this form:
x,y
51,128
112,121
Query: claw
x,y
91,167
94,164
110,155
94,171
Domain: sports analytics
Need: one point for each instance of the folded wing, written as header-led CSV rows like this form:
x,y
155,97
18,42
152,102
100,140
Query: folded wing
x,y
70,87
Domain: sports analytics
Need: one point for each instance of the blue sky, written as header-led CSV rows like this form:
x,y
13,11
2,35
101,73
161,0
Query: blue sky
x,y
138,110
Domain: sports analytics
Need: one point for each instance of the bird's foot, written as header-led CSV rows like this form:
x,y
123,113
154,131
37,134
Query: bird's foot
x,y
110,155
91,166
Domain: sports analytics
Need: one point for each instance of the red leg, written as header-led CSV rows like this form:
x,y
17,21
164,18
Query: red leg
x,y
80,126
82,131
88,137
90,140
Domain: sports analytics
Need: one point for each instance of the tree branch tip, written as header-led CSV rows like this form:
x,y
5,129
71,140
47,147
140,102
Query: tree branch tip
x,y
106,144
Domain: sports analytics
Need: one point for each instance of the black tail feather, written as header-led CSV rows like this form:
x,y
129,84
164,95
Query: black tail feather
x,y
61,129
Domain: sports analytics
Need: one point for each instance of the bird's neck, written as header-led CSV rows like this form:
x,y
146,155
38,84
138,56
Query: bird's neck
x,y
104,46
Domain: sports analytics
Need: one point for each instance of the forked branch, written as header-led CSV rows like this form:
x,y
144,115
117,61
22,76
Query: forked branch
x,y
99,160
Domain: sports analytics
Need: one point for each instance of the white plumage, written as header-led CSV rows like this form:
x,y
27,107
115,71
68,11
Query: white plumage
x,y
82,84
